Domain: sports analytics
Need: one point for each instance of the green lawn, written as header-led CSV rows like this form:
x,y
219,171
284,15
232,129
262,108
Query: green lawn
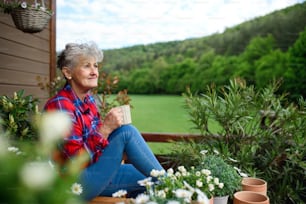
x,y
159,113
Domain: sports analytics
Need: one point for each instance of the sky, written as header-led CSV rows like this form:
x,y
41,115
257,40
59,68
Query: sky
x,y
122,23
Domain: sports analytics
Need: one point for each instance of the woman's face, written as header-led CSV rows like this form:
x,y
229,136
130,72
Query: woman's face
x,y
84,76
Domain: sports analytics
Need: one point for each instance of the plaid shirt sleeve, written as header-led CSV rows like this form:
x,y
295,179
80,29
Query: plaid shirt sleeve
x,y
85,135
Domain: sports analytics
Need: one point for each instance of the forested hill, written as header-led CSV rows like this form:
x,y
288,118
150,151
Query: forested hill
x,y
177,60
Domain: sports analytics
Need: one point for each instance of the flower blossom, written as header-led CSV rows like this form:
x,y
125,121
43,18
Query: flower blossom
x,y
157,173
182,193
37,175
76,189
211,187
24,5
13,149
54,125
203,152
142,199
161,194
119,194
170,171
206,172
199,183
146,182
221,185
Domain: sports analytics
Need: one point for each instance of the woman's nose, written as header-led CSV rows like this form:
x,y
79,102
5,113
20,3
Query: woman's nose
x,y
94,70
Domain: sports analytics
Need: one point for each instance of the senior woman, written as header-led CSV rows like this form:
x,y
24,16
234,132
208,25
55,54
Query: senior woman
x,y
104,142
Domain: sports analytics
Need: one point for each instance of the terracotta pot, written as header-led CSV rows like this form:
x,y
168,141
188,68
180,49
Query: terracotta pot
x,y
254,184
220,199
250,197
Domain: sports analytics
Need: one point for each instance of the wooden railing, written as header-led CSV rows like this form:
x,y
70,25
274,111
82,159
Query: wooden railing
x,y
165,138
168,137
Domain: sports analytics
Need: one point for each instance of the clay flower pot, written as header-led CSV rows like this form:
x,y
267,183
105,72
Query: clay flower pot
x,y
254,184
250,197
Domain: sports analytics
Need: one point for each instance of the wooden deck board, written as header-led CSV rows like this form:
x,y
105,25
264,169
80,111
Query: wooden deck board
x,y
108,200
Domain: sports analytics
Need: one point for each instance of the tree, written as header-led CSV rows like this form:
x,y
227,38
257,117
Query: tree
x,y
297,61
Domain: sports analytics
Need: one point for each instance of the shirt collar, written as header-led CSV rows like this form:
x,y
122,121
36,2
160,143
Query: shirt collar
x,y
82,105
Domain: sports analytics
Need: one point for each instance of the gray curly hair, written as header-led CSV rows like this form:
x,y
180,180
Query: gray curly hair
x,y
69,56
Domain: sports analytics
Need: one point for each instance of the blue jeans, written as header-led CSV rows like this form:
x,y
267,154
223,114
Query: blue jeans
x,y
108,175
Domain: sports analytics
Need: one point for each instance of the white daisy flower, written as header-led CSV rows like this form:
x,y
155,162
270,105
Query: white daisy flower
x,y
54,126
76,189
221,185
24,5
206,172
203,152
161,194
37,175
13,149
170,171
157,173
146,182
182,193
182,169
119,194
142,199
209,178
211,187
199,183
216,181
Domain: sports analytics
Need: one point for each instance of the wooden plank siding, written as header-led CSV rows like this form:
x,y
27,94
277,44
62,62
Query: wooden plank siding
x,y
26,56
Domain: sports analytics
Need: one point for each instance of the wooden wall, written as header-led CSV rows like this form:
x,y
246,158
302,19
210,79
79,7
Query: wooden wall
x,y
24,57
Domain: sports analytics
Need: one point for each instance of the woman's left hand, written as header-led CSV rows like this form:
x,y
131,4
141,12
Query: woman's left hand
x,y
112,121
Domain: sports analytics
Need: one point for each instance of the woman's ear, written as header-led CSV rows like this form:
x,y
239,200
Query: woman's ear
x,y
67,72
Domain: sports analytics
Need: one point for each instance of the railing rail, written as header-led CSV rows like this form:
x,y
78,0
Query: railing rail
x,y
168,137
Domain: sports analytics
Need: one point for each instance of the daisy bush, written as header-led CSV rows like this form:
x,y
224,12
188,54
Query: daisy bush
x,y
26,173
180,186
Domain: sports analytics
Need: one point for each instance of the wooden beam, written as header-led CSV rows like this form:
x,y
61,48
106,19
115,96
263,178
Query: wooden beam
x,y
52,41
168,137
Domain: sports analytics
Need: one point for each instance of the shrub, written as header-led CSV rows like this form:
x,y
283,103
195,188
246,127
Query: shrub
x,y
17,115
263,131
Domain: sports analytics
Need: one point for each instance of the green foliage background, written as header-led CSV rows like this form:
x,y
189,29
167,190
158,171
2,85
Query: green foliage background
x,y
260,50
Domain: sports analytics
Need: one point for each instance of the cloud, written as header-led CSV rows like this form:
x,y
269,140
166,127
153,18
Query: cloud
x,y
117,23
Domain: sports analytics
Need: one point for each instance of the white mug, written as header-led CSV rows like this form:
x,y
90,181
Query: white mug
x,y
126,111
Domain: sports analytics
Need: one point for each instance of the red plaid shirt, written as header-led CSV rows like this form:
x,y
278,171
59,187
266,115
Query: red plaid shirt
x,y
85,135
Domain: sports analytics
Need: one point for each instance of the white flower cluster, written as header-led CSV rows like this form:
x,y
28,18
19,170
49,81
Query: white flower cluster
x,y
174,187
36,5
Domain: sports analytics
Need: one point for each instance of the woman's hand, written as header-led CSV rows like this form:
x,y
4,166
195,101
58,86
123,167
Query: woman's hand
x,y
112,121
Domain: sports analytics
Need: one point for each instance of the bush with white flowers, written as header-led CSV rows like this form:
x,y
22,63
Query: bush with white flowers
x,y
26,173
181,186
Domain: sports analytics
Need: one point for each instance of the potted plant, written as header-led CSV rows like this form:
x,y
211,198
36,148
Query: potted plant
x,y
225,172
29,18
180,186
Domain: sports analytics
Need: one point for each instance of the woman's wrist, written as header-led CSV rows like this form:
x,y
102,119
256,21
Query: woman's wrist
x,y
105,131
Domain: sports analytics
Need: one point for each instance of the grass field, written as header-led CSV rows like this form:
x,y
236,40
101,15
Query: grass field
x,y
159,113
